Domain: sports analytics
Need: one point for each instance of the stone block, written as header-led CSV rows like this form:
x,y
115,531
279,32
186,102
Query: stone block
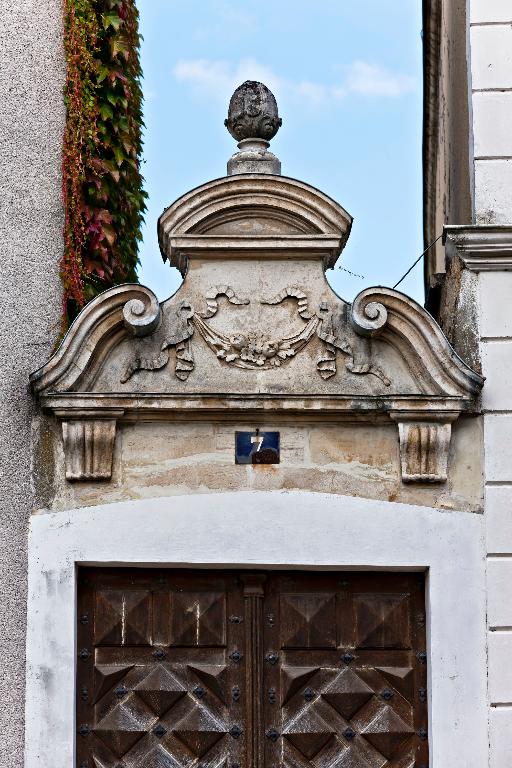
x,y
490,11
497,442
495,317
359,445
499,519
499,585
492,124
497,392
500,737
493,191
491,56
500,668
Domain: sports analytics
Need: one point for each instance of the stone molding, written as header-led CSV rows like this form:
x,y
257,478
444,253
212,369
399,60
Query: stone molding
x,y
203,406
297,218
482,248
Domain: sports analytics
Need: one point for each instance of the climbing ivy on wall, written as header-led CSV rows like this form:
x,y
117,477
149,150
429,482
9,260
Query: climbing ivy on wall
x,y
103,192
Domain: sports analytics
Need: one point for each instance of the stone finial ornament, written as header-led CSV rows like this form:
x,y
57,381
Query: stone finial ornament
x,y
253,120
253,112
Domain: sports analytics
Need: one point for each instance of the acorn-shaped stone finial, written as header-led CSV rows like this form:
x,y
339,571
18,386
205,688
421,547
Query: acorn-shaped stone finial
x,y
253,120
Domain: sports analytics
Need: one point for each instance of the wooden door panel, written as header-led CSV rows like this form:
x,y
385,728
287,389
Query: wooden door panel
x,y
349,691
219,669
161,677
308,620
123,617
382,620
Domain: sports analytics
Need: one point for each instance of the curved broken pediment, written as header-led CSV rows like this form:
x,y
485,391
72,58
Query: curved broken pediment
x,y
125,332
409,328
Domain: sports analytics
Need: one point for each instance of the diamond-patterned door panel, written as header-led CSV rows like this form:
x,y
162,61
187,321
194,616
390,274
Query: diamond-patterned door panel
x,y
156,669
122,617
219,669
347,686
382,621
308,620
198,619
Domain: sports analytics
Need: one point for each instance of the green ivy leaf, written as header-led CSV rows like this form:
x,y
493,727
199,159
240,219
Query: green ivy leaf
x,y
106,111
119,155
118,46
112,20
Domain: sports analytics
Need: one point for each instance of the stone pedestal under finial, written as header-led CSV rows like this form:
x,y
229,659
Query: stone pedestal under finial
x,y
253,120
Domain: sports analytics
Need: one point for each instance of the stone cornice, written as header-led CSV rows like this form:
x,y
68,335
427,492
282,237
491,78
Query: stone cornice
x,y
234,407
482,248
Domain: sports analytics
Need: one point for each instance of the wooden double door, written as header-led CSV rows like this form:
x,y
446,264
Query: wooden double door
x,y
235,669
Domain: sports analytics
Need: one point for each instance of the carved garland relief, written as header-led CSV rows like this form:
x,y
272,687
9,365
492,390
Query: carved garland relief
x,y
259,350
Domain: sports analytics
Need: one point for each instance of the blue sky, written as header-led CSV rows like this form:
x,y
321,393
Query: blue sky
x,y
347,78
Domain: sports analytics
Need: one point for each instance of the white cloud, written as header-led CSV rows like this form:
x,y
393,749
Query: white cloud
x,y
372,80
219,78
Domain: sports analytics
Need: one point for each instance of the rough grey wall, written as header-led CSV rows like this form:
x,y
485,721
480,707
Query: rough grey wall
x,y
31,126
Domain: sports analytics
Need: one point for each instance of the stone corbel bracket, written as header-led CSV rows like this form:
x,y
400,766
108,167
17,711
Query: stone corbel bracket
x,y
89,435
424,447
89,440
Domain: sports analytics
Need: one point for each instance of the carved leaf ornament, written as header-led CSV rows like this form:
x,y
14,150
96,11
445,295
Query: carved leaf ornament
x,y
259,350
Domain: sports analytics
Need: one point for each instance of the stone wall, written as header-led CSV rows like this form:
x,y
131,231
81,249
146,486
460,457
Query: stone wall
x,y
153,460
447,157
31,219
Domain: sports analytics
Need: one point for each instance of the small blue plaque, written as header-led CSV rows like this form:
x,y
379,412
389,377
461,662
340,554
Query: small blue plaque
x,y
257,447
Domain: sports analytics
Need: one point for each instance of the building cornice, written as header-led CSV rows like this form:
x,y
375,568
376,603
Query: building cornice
x,y
482,248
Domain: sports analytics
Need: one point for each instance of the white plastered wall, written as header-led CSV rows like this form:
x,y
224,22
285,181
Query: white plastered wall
x,y
274,530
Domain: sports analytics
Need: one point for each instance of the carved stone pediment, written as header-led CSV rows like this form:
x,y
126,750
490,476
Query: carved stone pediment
x,y
256,329
253,215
